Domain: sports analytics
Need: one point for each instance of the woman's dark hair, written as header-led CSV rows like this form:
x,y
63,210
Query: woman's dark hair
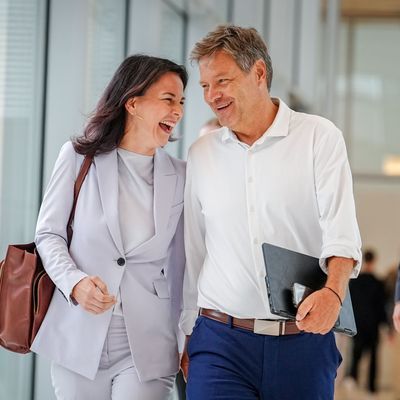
x,y
105,127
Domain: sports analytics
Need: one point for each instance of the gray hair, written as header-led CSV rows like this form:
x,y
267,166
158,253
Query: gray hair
x,y
245,45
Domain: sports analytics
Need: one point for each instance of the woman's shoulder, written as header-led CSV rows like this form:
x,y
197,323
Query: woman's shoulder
x,y
68,151
68,157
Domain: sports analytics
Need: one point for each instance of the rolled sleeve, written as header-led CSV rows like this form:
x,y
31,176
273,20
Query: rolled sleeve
x,y
187,321
334,190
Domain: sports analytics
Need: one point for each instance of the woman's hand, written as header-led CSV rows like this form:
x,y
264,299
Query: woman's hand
x,y
185,360
92,295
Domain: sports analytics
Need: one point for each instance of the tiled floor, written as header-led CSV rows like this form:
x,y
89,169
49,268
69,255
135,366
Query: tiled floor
x,y
388,376
344,393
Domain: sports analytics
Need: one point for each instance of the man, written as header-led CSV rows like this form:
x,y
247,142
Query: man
x,y
268,175
368,297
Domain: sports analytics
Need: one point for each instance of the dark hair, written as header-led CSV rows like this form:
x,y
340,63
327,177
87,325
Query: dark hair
x,y
369,255
245,45
105,127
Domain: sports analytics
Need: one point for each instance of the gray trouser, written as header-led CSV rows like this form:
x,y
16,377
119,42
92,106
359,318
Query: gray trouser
x,y
116,378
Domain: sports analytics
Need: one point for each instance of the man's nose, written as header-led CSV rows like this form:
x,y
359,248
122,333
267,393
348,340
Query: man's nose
x,y
213,95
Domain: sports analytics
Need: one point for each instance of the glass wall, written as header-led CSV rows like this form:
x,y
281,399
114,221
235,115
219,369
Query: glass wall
x,y
370,88
22,55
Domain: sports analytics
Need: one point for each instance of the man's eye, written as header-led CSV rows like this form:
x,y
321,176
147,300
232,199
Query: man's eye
x,y
169,100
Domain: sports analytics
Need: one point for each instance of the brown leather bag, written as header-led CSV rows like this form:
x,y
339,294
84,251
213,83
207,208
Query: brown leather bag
x,y
25,288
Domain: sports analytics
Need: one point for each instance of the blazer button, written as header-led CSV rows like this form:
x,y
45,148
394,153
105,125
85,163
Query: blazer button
x,y
121,262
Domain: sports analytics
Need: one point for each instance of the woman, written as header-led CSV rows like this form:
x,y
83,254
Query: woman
x,y
111,328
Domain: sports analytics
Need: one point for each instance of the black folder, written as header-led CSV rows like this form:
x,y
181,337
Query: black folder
x,y
285,267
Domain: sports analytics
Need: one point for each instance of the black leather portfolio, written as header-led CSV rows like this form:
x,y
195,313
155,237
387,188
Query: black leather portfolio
x,y
284,268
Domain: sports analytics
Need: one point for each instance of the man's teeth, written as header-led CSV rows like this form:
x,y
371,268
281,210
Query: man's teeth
x,y
223,106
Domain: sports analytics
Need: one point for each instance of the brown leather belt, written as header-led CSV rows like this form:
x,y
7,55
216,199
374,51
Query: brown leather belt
x,y
260,326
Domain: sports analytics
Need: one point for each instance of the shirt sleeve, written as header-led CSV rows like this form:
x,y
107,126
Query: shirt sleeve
x,y
334,190
195,250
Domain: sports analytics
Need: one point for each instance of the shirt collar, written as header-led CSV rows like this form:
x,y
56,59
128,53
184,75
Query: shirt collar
x,y
278,128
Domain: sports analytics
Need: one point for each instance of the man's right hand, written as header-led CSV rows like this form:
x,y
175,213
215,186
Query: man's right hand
x,y
396,317
92,295
185,360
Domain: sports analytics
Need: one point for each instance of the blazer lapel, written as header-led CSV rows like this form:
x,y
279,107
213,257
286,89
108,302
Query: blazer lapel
x,y
164,189
107,175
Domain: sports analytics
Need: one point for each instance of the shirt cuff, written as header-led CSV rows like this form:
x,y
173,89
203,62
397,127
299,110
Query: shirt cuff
x,y
187,321
341,251
180,337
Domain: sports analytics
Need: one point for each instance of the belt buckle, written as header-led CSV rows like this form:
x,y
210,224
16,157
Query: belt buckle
x,y
264,327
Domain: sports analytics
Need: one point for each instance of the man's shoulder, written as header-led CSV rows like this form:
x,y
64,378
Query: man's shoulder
x,y
321,128
317,121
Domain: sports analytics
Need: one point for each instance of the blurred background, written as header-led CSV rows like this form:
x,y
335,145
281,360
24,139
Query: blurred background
x,y
339,59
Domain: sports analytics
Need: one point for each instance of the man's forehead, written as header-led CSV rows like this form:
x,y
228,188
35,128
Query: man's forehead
x,y
216,57
218,63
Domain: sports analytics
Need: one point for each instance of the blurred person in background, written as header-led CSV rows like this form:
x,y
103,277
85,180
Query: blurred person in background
x,y
396,312
390,282
111,330
368,297
211,125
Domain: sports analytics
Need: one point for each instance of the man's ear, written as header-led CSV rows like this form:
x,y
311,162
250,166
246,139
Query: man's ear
x,y
130,105
260,70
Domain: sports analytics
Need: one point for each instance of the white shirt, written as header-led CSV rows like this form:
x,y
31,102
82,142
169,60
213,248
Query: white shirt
x,y
135,202
291,188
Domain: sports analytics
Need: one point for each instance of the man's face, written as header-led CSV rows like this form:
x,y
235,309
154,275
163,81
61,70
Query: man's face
x,y
230,92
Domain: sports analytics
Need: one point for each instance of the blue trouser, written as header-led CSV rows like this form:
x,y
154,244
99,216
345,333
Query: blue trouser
x,y
231,363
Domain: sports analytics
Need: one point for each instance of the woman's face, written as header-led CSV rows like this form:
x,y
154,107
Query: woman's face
x,y
157,112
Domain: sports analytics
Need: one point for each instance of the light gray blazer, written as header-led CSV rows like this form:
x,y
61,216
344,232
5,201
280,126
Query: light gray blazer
x,y
150,281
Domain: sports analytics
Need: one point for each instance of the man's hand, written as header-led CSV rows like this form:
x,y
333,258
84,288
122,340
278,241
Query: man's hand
x,y
185,360
396,317
318,312
92,295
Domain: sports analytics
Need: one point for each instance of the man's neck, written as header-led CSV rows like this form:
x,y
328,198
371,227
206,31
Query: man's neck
x,y
258,125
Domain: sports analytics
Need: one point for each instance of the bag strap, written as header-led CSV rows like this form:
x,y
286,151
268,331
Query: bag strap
x,y
77,188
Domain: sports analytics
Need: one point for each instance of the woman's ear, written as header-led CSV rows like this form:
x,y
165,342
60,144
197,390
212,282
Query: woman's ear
x,y
130,106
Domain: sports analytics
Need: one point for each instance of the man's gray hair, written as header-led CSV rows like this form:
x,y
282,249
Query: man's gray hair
x,y
245,45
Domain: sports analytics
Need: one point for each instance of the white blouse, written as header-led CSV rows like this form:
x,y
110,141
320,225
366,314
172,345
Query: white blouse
x,y
135,197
